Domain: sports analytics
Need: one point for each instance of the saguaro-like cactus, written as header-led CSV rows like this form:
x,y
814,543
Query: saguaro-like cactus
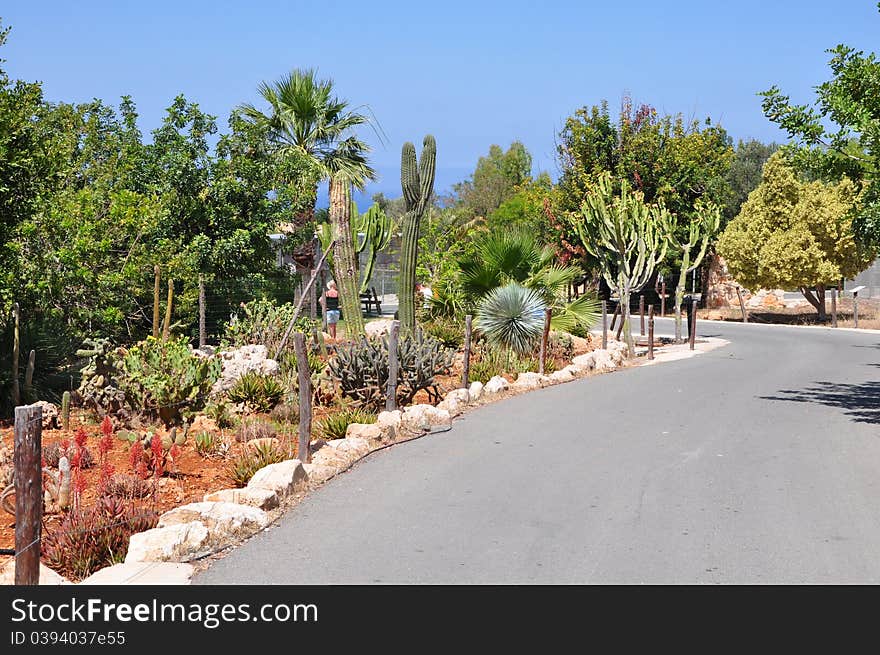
x,y
344,257
156,302
417,181
376,228
627,236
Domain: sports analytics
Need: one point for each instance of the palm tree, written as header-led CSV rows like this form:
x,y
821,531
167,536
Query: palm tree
x,y
305,118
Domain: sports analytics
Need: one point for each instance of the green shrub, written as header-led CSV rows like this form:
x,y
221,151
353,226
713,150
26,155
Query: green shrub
x,y
164,378
335,425
218,411
259,321
251,459
258,392
448,331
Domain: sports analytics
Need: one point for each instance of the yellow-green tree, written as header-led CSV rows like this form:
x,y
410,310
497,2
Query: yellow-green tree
x,y
793,234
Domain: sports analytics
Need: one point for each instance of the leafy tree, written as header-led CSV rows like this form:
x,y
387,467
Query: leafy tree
x,y
665,158
494,180
627,236
744,174
839,135
794,234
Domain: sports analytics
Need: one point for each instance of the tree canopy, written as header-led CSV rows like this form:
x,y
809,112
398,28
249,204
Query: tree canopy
x,y
794,234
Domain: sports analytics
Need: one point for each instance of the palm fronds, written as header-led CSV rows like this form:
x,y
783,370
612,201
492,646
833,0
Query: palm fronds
x,y
512,316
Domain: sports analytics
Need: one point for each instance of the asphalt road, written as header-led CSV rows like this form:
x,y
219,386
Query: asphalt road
x,y
758,462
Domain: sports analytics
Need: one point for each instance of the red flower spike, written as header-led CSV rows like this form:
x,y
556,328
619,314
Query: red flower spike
x,y
65,444
107,427
136,454
80,438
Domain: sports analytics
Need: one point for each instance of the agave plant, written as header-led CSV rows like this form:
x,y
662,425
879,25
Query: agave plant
x,y
516,257
512,316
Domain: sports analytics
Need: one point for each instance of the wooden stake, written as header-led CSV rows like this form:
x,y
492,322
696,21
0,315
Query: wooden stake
x,y
693,323
663,299
544,338
28,475
304,381
642,314
833,306
651,332
604,325
742,304
465,375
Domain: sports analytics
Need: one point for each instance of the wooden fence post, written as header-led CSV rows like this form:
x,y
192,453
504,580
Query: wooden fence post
x,y
642,313
651,332
28,472
203,333
833,306
544,338
604,325
742,304
663,299
466,369
304,381
393,364
693,322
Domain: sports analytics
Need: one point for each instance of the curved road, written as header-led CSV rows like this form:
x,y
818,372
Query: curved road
x,y
758,462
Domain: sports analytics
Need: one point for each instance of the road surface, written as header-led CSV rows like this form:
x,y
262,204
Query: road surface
x,y
758,462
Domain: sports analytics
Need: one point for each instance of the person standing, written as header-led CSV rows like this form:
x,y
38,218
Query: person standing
x,y
332,297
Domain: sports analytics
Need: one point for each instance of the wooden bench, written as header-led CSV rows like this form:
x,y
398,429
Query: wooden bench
x,y
370,300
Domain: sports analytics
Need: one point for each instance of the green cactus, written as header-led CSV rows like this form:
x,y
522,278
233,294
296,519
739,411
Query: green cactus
x,y
127,435
166,326
65,411
376,227
417,180
362,369
99,385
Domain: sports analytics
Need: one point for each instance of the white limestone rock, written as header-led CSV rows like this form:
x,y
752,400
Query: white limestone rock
x,y
496,385
475,391
175,543
284,478
143,573
264,499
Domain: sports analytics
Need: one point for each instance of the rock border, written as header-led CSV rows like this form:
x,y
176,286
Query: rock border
x,y
226,518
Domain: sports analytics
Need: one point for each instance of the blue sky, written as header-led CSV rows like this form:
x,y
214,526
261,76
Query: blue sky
x,y
471,73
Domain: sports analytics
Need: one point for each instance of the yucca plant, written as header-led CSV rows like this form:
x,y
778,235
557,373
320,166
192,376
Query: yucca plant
x,y
512,317
250,460
260,393
515,256
336,425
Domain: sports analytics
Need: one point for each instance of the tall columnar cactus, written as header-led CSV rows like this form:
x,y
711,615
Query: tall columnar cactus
x,y
376,228
702,227
28,388
166,327
344,256
16,346
627,236
417,180
156,301
65,411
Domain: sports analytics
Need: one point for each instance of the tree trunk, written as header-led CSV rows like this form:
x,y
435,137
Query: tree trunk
x,y
679,292
344,258
624,315
817,300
